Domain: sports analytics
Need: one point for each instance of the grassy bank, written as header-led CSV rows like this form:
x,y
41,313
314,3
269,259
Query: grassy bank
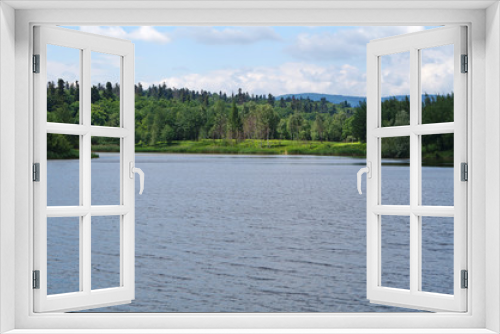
x,y
438,158
71,154
280,147
276,147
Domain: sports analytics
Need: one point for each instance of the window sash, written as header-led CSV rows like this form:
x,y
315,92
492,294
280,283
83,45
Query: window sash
x,y
86,298
414,298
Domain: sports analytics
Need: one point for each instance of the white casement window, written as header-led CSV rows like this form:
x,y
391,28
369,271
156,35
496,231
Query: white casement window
x,y
410,216
26,214
412,211
84,211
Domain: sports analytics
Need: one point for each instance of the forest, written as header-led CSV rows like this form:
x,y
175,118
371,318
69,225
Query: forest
x,y
182,120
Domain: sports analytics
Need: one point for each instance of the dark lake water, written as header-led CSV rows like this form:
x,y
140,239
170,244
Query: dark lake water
x,y
219,233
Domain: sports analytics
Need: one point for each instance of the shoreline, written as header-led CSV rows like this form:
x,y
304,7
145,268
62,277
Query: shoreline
x,y
276,147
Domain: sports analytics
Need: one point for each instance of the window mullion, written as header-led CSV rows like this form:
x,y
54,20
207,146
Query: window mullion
x,y
85,167
414,173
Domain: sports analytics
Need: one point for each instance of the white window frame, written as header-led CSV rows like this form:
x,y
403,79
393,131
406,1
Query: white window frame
x,y
483,246
86,297
414,297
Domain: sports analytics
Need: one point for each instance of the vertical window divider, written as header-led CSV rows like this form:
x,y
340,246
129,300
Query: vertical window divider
x,y
460,155
127,154
85,166
414,179
376,251
123,174
418,111
80,149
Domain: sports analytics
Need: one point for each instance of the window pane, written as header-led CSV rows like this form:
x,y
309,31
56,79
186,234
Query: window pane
x,y
395,89
63,255
63,91
395,251
63,170
437,254
105,252
105,91
395,171
437,170
437,84
106,171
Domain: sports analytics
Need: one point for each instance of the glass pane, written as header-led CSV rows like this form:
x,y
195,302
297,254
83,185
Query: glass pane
x,y
436,73
63,91
437,254
395,251
105,91
63,255
395,89
437,170
395,171
63,170
105,252
106,171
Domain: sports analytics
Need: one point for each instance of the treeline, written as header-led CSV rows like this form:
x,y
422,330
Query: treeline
x,y
164,115
435,109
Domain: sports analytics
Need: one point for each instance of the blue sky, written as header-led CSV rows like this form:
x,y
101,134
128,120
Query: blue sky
x,y
260,60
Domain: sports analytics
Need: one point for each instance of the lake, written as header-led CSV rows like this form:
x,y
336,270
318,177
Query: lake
x,y
231,233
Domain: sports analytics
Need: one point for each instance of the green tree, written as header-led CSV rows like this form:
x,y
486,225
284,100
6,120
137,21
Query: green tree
x,y
60,90
235,122
282,129
359,122
294,125
319,126
108,92
270,100
94,94
268,122
168,133
220,120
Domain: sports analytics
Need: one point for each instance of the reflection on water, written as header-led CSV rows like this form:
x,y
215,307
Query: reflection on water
x,y
251,234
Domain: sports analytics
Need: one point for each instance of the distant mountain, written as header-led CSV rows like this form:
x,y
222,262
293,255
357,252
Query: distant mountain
x,y
352,100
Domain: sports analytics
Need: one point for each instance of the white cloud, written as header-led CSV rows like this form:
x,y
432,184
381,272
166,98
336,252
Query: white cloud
x,y
58,70
437,70
345,44
395,74
117,32
239,35
284,79
104,68
149,34
145,33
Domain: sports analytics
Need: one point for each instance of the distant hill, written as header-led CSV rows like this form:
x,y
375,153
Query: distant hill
x,y
352,100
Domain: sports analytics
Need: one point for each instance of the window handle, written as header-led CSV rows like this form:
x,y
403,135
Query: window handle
x,y
368,171
139,171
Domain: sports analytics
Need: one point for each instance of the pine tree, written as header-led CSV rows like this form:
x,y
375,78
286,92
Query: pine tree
x,y
77,91
60,89
108,92
94,94
235,121
282,103
270,100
